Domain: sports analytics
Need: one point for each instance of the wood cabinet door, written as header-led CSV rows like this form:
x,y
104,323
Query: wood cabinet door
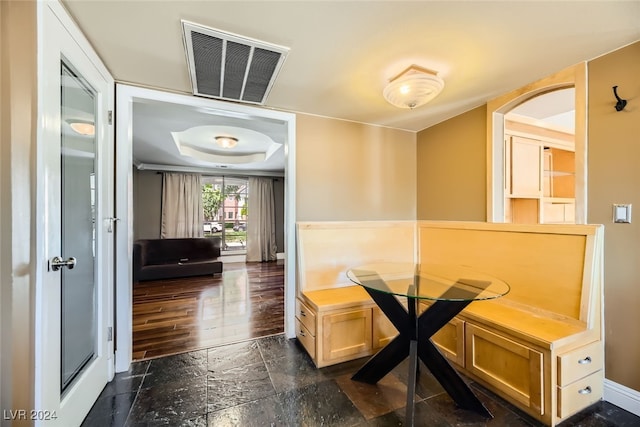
x,y
383,329
526,167
345,335
513,368
450,341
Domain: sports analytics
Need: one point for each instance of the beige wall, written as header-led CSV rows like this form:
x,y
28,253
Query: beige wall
x,y
353,171
614,177
451,162
18,107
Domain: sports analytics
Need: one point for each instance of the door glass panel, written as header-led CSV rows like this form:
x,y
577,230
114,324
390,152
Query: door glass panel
x,y
235,211
224,201
78,212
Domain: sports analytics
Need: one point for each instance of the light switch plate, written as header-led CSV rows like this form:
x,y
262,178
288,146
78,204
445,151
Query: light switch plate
x,y
622,213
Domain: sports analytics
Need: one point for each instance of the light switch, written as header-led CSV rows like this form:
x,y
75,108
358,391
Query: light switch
x,y
622,213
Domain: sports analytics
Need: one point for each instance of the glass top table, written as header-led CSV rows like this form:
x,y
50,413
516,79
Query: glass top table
x,y
429,281
450,289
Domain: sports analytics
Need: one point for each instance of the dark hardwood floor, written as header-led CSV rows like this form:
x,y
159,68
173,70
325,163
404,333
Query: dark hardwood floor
x,y
179,315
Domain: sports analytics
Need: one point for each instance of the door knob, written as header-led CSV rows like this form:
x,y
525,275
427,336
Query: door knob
x,y
57,263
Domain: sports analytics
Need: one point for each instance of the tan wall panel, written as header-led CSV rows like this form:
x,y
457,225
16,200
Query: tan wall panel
x,y
352,171
451,169
614,177
556,288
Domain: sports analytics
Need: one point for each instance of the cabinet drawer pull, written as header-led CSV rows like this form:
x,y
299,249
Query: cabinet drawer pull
x,y
586,390
303,314
584,361
302,334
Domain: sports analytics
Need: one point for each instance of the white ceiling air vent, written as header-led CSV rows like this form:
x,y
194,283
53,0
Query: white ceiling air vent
x,y
231,67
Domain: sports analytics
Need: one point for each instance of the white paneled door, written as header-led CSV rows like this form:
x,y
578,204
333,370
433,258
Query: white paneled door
x,y
74,351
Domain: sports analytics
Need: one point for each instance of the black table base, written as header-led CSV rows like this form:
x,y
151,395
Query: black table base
x,y
414,341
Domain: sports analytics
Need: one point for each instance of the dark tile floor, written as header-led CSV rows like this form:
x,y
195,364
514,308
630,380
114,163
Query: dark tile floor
x,y
272,382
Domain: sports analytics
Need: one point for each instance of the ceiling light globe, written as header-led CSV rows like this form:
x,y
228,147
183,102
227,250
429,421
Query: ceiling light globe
x,y
413,88
226,141
83,128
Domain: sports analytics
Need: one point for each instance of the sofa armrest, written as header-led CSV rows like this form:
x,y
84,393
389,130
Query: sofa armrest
x,y
138,259
217,244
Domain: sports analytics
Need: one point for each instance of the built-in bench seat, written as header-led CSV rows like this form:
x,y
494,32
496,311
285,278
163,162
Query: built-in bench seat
x,y
534,325
337,298
336,320
540,346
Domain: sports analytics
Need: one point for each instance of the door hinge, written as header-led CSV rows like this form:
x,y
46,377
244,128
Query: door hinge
x,y
110,333
110,117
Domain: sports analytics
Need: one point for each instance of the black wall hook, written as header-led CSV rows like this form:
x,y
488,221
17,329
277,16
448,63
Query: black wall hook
x,y
621,102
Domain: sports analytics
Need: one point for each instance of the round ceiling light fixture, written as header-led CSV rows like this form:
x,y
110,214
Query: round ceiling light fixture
x,y
83,128
226,141
413,87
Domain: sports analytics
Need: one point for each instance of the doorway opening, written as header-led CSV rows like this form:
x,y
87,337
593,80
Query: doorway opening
x,y
216,114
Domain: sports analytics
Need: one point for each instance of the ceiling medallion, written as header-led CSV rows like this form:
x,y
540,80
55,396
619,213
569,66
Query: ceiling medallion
x,y
413,87
197,143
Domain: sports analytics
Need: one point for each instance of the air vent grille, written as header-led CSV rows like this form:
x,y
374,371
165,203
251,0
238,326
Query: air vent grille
x,y
230,67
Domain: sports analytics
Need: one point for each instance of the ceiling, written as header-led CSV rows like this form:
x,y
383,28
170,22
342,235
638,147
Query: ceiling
x,y
160,128
553,109
342,53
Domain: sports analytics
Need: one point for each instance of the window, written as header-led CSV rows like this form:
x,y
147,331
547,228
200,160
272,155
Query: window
x,y
224,203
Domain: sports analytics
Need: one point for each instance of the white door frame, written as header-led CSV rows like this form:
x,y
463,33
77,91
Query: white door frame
x,y
53,23
125,96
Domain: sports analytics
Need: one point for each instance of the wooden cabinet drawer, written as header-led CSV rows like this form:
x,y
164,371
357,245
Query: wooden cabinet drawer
x,y
580,394
450,341
579,363
559,212
513,368
305,337
554,212
306,316
383,329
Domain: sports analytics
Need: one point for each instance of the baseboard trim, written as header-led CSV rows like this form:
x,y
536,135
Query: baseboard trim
x,y
242,257
233,258
621,396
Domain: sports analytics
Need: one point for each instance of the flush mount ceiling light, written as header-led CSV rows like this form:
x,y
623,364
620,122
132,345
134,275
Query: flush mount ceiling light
x,y
226,141
83,128
413,87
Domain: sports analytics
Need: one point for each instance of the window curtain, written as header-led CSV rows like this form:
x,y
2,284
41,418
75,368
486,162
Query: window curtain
x,y
181,206
261,228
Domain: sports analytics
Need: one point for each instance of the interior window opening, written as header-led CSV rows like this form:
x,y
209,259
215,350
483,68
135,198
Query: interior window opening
x,y
539,159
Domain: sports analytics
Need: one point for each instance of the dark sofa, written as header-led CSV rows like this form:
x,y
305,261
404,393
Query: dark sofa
x,y
155,259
